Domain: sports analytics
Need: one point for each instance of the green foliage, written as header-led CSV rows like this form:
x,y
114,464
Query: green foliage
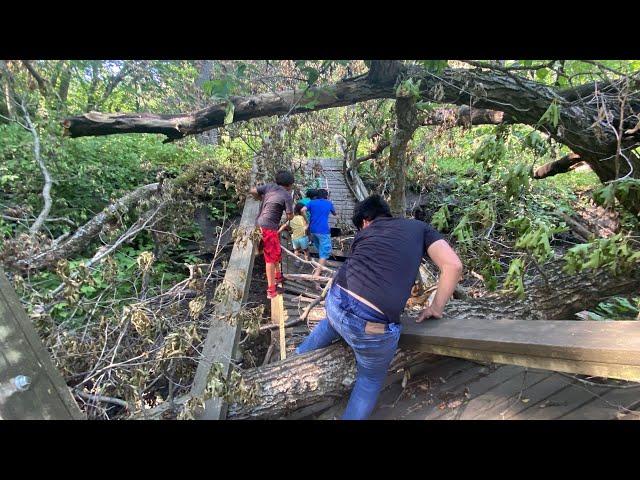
x,y
616,308
440,219
490,152
535,240
514,279
535,143
614,253
551,115
516,181
463,232
409,88
606,195
434,66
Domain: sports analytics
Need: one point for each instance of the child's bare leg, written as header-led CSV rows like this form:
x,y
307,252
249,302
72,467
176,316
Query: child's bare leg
x,y
306,254
271,274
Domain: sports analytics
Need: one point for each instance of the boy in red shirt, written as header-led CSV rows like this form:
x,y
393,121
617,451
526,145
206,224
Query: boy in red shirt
x,y
276,198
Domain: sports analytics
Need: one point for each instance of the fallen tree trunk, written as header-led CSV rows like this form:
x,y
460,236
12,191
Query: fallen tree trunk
x,y
178,126
81,238
283,387
551,295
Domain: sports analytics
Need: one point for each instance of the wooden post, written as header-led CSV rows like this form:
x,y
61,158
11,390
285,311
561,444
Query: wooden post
x,y
224,332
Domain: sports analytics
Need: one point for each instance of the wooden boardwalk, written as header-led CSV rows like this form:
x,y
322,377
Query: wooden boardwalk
x,y
461,390
22,353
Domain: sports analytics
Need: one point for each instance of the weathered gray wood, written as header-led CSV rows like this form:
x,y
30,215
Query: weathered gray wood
x,y
478,388
606,349
22,352
223,335
608,405
534,395
562,402
496,400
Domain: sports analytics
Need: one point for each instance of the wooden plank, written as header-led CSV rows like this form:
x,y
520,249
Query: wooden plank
x,y
534,395
223,335
606,349
455,375
277,317
477,388
495,401
560,403
23,353
607,406
623,372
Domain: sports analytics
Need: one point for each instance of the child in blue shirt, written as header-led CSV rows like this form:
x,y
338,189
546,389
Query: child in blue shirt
x,y
320,208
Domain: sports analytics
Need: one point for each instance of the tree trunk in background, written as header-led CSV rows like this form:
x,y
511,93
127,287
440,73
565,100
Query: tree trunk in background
x,y
91,94
7,107
406,124
210,137
65,80
384,72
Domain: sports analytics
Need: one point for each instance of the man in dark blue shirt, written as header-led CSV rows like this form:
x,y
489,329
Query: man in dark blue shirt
x,y
370,291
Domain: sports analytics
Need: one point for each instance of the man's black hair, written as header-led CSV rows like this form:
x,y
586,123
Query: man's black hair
x,y
369,209
322,193
298,208
312,193
284,178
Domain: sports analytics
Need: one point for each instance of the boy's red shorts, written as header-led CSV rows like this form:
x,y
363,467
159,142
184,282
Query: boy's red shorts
x,y
271,241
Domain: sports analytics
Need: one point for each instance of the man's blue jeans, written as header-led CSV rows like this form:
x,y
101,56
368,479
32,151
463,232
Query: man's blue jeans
x,y
346,318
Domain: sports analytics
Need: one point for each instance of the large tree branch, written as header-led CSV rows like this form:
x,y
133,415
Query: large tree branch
x,y
42,83
245,108
466,117
562,165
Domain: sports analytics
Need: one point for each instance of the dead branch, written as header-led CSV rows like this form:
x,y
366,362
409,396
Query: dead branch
x,y
46,190
87,232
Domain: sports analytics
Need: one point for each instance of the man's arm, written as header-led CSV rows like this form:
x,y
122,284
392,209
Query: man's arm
x,y
284,226
254,193
450,272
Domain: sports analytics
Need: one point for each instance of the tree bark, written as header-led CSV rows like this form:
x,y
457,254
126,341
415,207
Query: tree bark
x,y
557,297
466,117
384,72
254,106
42,83
406,124
286,386
65,81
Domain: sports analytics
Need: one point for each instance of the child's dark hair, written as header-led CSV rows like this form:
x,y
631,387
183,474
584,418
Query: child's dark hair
x,y
322,193
369,209
284,178
297,210
312,193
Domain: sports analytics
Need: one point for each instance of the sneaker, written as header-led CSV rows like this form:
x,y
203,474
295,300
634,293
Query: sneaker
x,y
272,292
